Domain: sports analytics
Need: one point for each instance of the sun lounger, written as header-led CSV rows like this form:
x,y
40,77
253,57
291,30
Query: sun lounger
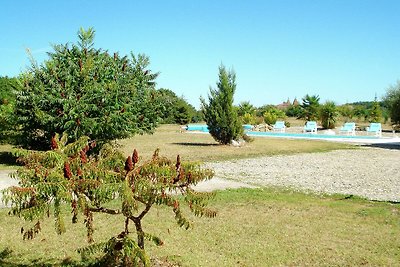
x,y
279,126
248,127
310,127
348,128
375,128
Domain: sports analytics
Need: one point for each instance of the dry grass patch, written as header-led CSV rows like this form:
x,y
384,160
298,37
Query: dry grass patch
x,y
202,147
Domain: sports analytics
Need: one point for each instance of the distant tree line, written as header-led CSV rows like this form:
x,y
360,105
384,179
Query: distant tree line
x,y
327,113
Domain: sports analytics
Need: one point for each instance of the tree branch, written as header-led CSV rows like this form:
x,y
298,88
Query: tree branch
x,y
105,210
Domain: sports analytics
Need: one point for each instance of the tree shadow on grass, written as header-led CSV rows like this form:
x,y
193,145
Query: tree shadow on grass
x,y
7,260
194,144
8,159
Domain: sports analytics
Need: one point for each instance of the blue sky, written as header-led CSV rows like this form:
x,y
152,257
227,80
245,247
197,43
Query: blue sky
x,y
342,50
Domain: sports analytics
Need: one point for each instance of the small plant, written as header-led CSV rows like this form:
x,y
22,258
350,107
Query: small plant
x,y
328,114
248,118
270,117
68,174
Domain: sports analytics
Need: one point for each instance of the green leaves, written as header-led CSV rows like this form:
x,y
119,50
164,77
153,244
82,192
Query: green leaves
x,y
220,115
68,175
85,91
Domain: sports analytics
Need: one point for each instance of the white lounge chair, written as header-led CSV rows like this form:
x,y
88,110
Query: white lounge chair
x,y
279,126
375,128
348,128
311,127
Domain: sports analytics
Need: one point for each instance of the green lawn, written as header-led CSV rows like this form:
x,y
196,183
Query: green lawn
x,y
257,227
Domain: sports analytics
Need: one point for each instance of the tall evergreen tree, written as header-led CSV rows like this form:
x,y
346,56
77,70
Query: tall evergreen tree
x,y
220,114
81,90
375,113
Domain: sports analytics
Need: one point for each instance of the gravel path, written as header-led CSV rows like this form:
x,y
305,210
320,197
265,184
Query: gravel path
x,y
373,173
5,181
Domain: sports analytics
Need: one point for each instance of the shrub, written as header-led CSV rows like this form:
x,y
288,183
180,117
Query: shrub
x,y
67,174
248,119
270,117
328,115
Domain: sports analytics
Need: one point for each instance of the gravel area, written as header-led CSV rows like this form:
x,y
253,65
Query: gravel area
x,y
369,172
372,173
5,181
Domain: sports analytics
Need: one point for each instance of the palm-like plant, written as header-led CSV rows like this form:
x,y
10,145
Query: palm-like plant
x,y
310,107
328,114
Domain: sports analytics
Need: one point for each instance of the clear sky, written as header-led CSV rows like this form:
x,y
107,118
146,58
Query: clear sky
x,y
342,50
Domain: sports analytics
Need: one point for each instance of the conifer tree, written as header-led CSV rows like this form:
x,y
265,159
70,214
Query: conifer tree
x,y
375,113
220,114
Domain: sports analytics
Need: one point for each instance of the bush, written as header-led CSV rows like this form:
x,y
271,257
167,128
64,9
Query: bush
x,y
270,117
67,175
248,119
328,115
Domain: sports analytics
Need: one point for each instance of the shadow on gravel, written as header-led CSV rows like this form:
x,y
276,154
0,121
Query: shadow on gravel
x,y
194,144
393,146
7,158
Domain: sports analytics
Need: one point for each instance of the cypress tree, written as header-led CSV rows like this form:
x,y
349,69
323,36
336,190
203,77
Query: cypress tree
x,y
219,114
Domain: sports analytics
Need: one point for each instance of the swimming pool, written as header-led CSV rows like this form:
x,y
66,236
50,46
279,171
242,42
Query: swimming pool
x,y
308,135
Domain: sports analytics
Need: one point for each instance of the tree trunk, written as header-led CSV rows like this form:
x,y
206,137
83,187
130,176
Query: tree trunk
x,y
140,233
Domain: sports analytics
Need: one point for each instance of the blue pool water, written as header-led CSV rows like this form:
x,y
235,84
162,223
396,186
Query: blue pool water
x,y
204,128
308,135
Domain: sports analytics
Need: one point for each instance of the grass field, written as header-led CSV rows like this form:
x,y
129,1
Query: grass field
x,y
258,227
254,227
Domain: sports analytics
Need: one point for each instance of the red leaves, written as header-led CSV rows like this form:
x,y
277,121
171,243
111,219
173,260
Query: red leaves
x,y
135,156
83,157
176,205
53,143
67,171
128,164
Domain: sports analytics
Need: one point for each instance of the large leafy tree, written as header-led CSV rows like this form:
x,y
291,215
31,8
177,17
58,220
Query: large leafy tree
x,y
174,109
392,101
109,184
82,90
219,113
8,89
310,106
